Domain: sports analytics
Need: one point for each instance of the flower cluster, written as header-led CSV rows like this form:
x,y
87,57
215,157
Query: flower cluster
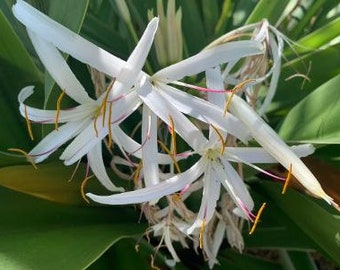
x,y
186,142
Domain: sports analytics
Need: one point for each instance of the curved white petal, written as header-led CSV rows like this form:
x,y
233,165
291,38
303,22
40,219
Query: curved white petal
x,y
204,111
55,139
96,162
67,40
169,186
84,142
59,69
129,72
150,147
49,116
164,110
274,145
209,58
276,50
235,186
211,193
260,155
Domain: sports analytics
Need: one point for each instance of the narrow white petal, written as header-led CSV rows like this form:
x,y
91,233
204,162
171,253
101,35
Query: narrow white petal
x,y
95,159
84,142
276,70
49,116
55,139
169,186
260,155
214,81
59,69
129,73
274,145
234,185
209,58
67,40
211,193
204,111
164,110
150,147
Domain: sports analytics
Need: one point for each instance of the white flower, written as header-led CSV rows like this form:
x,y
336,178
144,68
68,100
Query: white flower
x,y
92,120
130,89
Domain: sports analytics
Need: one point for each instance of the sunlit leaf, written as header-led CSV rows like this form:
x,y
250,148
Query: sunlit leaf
x,y
315,118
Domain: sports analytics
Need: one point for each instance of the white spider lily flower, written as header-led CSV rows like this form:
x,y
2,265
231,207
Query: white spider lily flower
x,y
86,52
271,141
92,120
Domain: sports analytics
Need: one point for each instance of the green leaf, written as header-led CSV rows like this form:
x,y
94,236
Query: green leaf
x,y
36,234
271,10
319,37
320,225
315,118
322,68
13,52
16,71
50,181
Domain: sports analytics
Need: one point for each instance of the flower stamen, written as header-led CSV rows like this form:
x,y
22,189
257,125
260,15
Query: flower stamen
x,y
257,218
166,149
82,188
219,134
289,176
58,109
28,124
137,173
236,89
201,233
28,157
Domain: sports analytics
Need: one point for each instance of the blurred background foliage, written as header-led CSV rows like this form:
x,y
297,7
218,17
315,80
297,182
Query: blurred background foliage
x,y
45,223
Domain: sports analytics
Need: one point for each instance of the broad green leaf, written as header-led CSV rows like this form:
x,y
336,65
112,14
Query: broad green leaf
x,y
293,87
16,71
271,10
319,37
36,234
12,51
50,181
320,225
315,118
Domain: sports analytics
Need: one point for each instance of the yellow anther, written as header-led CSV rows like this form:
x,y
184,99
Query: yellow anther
x,y
82,188
166,149
257,218
176,197
28,124
28,157
201,234
219,134
137,173
289,176
236,89
58,109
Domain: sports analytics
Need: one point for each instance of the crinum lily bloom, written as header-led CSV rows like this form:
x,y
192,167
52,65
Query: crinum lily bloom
x,y
130,89
92,120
